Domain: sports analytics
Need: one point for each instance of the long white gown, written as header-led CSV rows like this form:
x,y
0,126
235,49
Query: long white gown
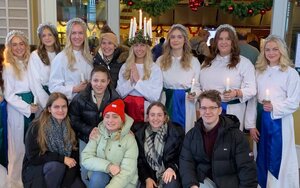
x,y
39,76
242,77
284,89
178,78
149,89
62,79
16,110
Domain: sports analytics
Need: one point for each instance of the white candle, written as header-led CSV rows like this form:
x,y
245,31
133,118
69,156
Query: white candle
x,y
227,84
34,100
134,27
130,29
193,85
145,27
150,27
82,77
140,19
267,98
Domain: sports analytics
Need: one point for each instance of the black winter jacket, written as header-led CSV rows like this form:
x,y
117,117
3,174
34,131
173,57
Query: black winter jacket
x,y
84,113
232,166
119,57
173,143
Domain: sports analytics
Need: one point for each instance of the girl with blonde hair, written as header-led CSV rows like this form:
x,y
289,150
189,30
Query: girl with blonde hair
x,y
181,73
71,68
20,107
140,79
278,96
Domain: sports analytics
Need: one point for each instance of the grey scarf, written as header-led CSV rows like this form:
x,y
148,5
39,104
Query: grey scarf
x,y
56,138
154,147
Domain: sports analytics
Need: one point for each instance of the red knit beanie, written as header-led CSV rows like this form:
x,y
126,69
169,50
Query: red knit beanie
x,y
117,107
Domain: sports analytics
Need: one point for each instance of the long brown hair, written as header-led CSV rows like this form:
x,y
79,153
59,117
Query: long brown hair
x,y
166,60
41,49
43,121
235,50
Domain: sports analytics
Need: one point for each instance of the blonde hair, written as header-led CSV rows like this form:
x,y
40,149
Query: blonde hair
x,y
43,121
131,60
284,61
186,58
10,59
69,48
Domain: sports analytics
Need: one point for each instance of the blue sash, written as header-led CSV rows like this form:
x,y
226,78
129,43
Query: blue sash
x,y
269,147
224,105
175,104
3,134
46,88
28,98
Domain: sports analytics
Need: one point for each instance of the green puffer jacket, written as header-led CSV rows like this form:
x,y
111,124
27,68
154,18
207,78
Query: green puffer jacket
x,y
106,149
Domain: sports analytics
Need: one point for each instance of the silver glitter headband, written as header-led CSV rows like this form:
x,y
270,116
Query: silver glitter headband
x,y
228,27
179,26
13,33
72,21
47,24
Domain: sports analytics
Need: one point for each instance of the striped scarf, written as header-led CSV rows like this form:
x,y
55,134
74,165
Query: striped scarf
x,y
154,147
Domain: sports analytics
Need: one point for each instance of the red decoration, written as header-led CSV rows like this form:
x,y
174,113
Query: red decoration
x,y
194,4
129,3
230,8
250,11
262,12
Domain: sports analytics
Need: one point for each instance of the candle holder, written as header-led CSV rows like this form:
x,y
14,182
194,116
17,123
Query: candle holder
x,y
193,93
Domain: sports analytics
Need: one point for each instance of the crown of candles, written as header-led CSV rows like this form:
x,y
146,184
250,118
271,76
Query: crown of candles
x,y
147,30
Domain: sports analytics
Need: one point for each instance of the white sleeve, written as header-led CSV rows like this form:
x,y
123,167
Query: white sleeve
x,y
57,80
248,86
10,94
151,88
124,86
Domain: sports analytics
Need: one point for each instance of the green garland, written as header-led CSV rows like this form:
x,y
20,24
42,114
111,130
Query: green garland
x,y
243,10
152,7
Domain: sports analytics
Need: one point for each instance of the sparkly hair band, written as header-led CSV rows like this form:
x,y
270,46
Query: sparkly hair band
x,y
47,24
140,38
228,27
72,21
178,26
13,33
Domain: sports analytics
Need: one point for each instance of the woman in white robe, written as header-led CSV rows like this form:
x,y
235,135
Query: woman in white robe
x,y
278,96
40,60
17,93
71,68
140,79
230,73
180,77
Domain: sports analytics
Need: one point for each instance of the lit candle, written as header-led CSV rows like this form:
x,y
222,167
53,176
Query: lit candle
x,y
145,27
131,28
193,85
267,98
34,100
134,27
227,84
140,19
150,28
82,77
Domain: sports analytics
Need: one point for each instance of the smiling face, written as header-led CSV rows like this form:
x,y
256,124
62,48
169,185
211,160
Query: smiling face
x,y
77,36
59,109
272,53
156,117
210,112
107,47
99,82
47,38
112,121
18,47
224,43
176,39
140,50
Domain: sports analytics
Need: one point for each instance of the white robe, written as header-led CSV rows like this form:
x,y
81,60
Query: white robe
x,y
284,88
242,77
16,110
178,78
62,79
39,74
149,89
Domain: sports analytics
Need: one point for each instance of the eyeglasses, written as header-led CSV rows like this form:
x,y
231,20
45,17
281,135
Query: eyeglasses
x,y
210,108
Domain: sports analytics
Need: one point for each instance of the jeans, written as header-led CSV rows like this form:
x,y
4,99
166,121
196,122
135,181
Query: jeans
x,y
99,179
54,173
